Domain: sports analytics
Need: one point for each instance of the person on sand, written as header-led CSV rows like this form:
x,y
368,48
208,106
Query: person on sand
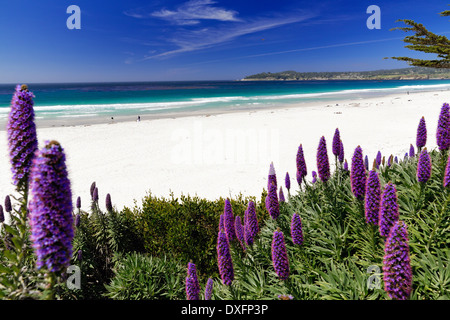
x,y
139,118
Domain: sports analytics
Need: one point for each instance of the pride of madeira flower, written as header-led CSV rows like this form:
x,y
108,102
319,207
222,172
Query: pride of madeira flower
x,y
421,137
323,165
424,166
302,171
388,209
224,260
251,227
279,255
443,128
358,174
22,138
50,208
373,196
397,272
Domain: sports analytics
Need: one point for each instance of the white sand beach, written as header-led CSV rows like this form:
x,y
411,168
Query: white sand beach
x,y
227,154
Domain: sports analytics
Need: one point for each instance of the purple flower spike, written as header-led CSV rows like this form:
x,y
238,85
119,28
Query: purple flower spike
x,y
282,199
221,223
345,166
412,153
421,137
92,189
287,181
272,176
192,273
336,147
388,209
224,259
251,227
358,174
50,208
21,133
314,176
447,174
424,166
78,202
272,204
279,255
373,197
191,291
108,203
2,215
301,165
390,160
8,207
341,152
239,231
228,221
95,194
366,162
397,271
209,289
396,159
323,165
296,229
443,129
378,159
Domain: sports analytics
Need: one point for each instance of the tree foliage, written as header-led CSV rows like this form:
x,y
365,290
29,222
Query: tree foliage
x,y
426,41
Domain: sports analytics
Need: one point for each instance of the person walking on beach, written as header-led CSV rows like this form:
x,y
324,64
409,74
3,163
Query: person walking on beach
x,y
139,119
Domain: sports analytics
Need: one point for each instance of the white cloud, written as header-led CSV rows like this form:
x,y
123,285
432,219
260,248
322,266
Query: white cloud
x,y
193,40
192,11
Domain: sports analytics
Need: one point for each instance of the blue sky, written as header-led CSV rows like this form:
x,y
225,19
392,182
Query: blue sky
x,y
137,40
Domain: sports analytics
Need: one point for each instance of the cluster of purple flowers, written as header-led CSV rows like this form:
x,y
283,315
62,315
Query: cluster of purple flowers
x,y
421,137
301,165
373,196
424,166
358,174
279,255
228,221
397,272
192,284
388,209
296,229
287,182
443,128
251,227
323,165
22,138
50,208
224,259
272,204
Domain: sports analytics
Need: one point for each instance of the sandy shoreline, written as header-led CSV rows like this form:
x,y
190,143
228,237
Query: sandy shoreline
x,y
223,154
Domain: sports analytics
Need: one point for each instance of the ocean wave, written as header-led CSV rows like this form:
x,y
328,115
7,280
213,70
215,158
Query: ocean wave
x,y
206,102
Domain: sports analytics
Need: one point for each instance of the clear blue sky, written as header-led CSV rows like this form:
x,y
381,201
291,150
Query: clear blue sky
x,y
138,40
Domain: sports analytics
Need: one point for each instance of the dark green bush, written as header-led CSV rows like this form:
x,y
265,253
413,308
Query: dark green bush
x,y
186,228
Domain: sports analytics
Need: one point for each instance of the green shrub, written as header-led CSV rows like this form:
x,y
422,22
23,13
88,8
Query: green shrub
x,y
186,228
142,277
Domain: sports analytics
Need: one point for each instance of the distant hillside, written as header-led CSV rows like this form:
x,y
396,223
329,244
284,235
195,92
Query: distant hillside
x,y
414,73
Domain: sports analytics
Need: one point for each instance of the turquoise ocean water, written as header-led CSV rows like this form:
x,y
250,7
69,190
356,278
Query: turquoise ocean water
x,y
79,100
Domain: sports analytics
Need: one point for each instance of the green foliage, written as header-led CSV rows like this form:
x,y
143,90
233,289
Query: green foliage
x,y
341,253
426,41
186,228
142,277
19,278
100,237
